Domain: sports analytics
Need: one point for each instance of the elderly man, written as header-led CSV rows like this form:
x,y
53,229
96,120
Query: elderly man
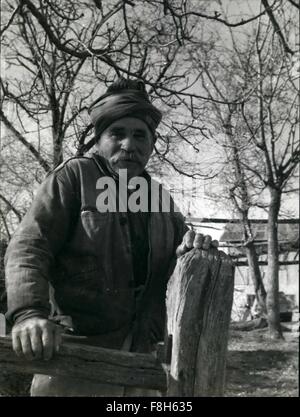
x,y
108,270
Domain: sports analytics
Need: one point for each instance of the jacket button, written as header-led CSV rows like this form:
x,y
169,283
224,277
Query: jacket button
x,y
123,221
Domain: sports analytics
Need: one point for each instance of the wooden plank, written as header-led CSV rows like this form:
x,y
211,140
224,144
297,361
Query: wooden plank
x,y
93,363
256,221
199,302
281,263
239,244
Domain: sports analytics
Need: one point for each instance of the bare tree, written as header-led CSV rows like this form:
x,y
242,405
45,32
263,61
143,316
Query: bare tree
x,y
278,118
259,134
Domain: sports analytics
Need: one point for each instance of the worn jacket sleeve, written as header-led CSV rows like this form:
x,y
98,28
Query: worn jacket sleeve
x,y
40,236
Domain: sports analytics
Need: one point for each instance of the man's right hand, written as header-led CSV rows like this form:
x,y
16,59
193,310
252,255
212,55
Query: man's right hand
x,y
36,338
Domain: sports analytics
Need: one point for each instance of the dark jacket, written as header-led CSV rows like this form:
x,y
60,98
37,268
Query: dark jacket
x,y
86,256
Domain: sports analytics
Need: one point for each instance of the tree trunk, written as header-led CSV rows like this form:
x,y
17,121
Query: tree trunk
x,y
273,267
242,205
57,153
259,289
57,144
56,131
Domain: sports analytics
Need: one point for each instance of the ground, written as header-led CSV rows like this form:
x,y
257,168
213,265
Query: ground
x,y
257,367
260,367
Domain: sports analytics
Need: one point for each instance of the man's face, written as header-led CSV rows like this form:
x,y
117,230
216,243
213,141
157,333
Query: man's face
x,y
126,144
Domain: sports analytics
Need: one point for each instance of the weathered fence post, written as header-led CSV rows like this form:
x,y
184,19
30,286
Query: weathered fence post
x,y
199,301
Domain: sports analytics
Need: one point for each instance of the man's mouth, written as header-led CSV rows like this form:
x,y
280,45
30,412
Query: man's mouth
x,y
132,161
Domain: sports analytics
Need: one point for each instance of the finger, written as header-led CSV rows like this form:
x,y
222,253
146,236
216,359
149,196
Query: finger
x,y
188,239
48,343
57,338
187,243
215,243
198,241
36,343
206,242
181,250
26,346
16,343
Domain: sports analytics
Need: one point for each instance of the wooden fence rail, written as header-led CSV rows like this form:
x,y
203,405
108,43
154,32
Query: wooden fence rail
x,y
93,363
199,301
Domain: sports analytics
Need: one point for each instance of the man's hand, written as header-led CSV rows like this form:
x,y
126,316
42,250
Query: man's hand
x,y
195,240
36,338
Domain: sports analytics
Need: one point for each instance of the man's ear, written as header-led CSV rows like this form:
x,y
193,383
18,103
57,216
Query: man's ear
x,y
154,139
97,140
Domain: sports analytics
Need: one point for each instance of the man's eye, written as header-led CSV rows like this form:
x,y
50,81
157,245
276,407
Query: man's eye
x,y
117,135
139,136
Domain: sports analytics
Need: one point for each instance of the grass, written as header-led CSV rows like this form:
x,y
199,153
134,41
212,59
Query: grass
x,y
260,367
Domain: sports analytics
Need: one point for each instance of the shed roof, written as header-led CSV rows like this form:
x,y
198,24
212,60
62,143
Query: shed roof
x,y
233,233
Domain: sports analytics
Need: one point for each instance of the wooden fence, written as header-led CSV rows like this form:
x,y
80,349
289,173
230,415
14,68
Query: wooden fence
x,y
191,361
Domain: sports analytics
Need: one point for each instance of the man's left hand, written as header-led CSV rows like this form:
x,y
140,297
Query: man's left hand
x,y
195,240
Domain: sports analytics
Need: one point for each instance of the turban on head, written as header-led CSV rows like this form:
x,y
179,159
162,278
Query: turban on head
x,y
124,98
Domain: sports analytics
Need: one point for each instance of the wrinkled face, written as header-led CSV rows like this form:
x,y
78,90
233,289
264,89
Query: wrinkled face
x,y
126,144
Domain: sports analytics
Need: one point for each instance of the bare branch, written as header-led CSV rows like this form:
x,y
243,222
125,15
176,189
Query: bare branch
x,y
88,52
11,207
10,20
215,17
276,26
5,224
293,2
43,163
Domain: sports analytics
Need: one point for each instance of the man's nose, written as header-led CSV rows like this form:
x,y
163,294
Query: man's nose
x,y
128,143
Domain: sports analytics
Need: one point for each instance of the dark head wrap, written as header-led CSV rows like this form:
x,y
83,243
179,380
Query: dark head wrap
x,y
124,98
